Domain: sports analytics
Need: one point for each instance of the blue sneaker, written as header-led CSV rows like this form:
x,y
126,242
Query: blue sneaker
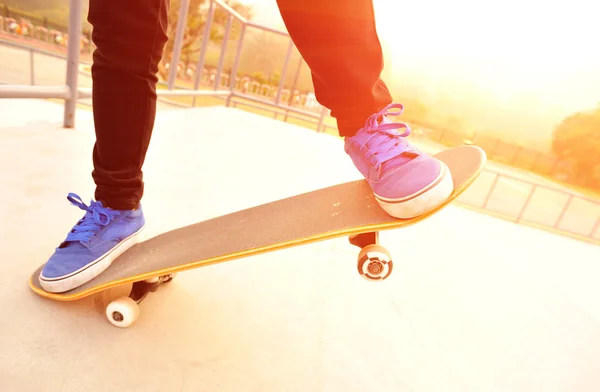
x,y
92,245
405,181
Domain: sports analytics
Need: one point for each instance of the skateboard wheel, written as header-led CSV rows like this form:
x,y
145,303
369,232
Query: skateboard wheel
x,y
374,263
168,278
122,312
152,280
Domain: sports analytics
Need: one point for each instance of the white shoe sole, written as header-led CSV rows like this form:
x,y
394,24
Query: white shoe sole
x,y
90,271
423,201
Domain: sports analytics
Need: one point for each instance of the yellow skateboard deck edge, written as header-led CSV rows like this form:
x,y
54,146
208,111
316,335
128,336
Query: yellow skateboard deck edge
x,y
393,224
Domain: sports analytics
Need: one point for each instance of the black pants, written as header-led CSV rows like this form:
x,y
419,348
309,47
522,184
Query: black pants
x,y
337,39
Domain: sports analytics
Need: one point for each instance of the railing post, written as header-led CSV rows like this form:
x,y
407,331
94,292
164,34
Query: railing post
x,y
205,41
529,197
236,63
562,213
223,52
284,72
73,50
178,44
291,99
31,68
321,119
492,188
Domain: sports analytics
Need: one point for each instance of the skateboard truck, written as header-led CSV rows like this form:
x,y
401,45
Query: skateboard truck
x,y
374,261
124,311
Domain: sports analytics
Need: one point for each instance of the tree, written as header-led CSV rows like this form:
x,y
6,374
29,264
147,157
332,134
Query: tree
x,y
196,22
576,140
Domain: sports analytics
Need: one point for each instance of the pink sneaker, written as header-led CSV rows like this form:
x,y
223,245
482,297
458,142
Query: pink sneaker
x,y
405,181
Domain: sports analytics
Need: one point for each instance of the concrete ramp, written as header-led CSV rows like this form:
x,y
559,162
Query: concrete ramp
x,y
475,303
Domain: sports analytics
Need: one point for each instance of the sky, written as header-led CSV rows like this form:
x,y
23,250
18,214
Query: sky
x,y
509,45
538,53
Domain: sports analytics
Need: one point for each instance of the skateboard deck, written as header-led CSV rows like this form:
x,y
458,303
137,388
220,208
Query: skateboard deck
x,y
347,209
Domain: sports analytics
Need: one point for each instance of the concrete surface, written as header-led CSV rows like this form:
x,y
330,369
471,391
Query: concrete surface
x,y
474,303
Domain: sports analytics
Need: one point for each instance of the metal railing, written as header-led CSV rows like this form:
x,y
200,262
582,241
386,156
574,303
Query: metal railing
x,y
534,204
71,92
507,196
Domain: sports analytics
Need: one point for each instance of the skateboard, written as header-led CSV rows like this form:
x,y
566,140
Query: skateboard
x,y
347,209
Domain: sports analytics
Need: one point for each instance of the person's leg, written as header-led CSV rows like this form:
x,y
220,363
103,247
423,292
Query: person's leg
x,y
130,37
339,42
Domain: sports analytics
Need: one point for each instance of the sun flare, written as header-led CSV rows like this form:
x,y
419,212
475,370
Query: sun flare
x,y
508,48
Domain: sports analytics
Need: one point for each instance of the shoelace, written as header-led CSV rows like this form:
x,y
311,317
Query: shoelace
x,y
96,216
381,142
